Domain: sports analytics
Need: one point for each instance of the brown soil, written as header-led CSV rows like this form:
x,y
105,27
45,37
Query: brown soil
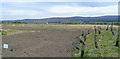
x,y
44,42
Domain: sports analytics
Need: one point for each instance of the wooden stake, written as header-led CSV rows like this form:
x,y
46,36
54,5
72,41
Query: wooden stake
x,y
117,41
82,33
95,40
85,38
95,29
88,32
99,30
82,50
107,27
111,28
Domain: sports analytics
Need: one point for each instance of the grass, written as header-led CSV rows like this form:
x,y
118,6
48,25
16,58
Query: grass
x,y
106,45
10,32
69,26
2,32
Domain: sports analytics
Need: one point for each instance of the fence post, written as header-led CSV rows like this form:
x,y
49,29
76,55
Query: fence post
x,y
85,38
99,30
95,29
111,28
82,33
95,40
88,31
117,41
107,27
82,50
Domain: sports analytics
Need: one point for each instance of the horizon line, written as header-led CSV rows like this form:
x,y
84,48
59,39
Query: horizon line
x,y
55,17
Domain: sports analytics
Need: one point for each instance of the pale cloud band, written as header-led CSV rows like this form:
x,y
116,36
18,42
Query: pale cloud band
x,y
59,0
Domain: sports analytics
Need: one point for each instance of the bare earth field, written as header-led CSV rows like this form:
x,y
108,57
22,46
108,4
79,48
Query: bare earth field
x,y
43,42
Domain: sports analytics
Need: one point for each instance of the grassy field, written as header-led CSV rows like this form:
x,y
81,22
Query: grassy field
x,y
68,26
106,45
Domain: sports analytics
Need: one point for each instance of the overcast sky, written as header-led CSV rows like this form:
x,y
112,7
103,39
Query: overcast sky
x,y
37,10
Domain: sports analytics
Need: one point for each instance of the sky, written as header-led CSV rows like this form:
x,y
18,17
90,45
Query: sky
x,y
22,9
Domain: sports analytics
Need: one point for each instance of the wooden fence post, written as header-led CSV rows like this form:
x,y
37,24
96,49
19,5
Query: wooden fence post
x,y
82,33
85,38
99,30
111,28
88,31
82,50
107,27
117,41
95,29
95,40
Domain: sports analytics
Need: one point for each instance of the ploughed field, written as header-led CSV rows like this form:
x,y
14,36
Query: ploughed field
x,y
42,40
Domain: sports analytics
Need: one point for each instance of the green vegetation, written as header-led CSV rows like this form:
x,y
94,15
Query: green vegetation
x,y
15,22
72,23
68,26
10,32
106,45
2,32
117,23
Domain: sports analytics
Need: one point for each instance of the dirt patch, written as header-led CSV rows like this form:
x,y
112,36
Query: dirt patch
x,y
44,42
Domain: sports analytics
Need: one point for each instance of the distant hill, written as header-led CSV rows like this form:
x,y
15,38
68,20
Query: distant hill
x,y
72,19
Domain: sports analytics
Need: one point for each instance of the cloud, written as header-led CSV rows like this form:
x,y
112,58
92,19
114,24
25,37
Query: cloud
x,y
44,10
59,0
90,11
23,12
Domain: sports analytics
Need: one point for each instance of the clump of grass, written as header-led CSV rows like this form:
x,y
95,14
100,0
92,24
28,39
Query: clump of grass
x,y
2,32
9,32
